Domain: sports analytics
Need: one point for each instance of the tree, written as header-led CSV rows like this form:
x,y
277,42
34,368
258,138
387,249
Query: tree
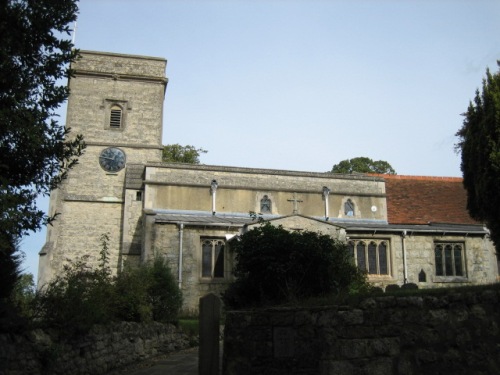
x,y
182,154
34,154
275,266
34,151
479,144
363,165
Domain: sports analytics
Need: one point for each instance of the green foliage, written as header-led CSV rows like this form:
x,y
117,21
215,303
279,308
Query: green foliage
x,y
164,294
23,294
34,151
82,296
479,143
10,260
363,165
276,266
77,299
148,292
182,154
131,287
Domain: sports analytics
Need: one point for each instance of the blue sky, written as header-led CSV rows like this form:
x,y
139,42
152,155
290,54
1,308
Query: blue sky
x,y
304,84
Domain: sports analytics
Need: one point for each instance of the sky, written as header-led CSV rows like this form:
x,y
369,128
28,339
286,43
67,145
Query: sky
x,y
304,84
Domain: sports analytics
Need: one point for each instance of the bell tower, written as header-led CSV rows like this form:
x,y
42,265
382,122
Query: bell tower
x,y
116,103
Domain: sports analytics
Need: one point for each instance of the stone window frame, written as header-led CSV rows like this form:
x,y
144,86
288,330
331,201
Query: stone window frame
x,y
213,265
342,212
444,272
111,105
266,196
365,246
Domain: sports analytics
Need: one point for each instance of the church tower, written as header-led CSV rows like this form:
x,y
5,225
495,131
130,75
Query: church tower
x,y
116,103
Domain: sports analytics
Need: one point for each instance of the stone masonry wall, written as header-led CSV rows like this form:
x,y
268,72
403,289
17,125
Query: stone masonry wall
x,y
454,333
103,349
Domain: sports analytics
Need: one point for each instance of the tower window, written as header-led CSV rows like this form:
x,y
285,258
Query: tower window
x,y
138,195
115,118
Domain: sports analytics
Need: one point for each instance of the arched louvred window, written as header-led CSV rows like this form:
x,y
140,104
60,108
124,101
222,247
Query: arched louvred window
x,y
116,117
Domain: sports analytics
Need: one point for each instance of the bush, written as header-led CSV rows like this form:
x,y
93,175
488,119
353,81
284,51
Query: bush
x,y
392,288
76,300
81,296
276,266
148,292
411,286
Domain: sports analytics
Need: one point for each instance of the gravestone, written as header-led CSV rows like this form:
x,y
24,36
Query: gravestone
x,y
208,363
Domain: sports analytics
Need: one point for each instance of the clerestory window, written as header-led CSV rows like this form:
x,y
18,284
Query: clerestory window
x,y
449,259
212,258
349,208
265,204
372,256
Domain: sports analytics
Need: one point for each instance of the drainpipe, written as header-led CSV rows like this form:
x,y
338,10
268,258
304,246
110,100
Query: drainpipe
x,y
405,270
213,190
326,192
181,231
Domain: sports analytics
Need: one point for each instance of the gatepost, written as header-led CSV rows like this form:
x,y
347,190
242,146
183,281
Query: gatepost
x,y
208,363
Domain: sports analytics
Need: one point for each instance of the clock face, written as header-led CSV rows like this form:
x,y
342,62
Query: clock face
x,y
112,159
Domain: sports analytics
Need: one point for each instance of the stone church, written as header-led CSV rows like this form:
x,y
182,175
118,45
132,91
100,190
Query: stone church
x,y
400,229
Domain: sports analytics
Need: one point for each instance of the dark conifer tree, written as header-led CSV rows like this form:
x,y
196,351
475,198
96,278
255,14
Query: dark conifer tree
x,y
479,143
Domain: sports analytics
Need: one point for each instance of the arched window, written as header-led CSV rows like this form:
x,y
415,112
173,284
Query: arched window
x,y
265,205
349,208
449,259
212,258
371,256
115,117
361,256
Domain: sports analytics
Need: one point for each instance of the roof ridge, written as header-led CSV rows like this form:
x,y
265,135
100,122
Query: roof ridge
x,y
409,177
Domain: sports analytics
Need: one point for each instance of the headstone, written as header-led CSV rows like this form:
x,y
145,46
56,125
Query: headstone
x,y
208,363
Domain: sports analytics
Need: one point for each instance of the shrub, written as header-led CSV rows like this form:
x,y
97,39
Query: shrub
x,y
76,300
148,292
276,266
81,296
409,286
392,288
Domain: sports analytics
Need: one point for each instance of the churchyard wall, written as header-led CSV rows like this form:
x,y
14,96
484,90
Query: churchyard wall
x,y
102,350
454,332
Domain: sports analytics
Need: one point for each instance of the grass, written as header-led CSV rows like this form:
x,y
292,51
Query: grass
x,y
190,326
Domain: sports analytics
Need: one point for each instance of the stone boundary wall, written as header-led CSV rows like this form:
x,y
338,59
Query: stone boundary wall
x,y
455,333
103,349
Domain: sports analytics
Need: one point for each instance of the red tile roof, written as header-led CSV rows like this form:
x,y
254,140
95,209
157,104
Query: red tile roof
x,y
421,200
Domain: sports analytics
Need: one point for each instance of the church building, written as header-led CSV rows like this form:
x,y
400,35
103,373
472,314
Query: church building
x,y
400,229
